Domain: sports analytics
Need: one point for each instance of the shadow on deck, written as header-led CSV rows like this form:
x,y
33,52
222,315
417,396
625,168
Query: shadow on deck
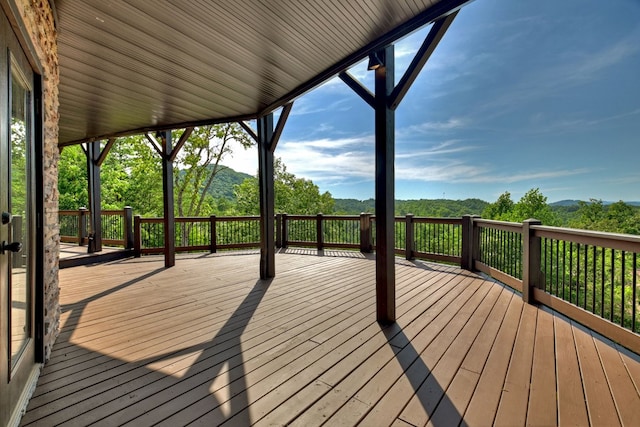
x,y
205,343
75,255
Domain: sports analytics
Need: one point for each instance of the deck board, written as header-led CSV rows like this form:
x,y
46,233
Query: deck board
x,y
208,343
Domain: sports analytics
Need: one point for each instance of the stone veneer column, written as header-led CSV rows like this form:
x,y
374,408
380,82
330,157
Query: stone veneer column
x,y
38,20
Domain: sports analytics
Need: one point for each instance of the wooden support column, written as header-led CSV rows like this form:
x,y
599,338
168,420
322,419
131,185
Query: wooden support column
x,y
167,186
95,211
267,138
385,192
384,101
267,205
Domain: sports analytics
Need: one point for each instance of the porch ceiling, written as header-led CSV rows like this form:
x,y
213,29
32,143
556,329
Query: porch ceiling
x,y
143,65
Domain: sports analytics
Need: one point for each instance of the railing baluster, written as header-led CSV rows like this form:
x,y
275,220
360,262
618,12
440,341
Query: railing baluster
x,y
634,295
613,282
622,284
602,275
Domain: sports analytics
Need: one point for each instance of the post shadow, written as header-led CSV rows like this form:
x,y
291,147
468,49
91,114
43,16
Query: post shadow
x,y
226,341
420,376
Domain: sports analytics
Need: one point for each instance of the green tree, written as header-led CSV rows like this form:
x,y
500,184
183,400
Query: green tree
x,y
292,195
72,178
618,217
198,163
502,209
144,192
534,205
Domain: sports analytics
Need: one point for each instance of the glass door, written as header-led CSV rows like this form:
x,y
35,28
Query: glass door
x,y
18,215
17,349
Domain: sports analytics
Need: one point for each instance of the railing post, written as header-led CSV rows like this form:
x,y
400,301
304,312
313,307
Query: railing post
x,y
531,262
278,230
214,235
137,236
469,242
365,232
128,227
82,225
319,231
285,231
408,237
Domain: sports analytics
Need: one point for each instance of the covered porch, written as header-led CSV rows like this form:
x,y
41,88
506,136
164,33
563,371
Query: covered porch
x,y
208,343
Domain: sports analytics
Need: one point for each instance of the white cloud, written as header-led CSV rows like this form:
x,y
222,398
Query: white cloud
x,y
451,124
416,151
329,159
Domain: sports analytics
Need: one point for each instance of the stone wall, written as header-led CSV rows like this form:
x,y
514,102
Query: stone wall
x,y
38,19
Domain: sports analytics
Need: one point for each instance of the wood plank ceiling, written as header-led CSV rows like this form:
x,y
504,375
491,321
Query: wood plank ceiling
x,y
130,66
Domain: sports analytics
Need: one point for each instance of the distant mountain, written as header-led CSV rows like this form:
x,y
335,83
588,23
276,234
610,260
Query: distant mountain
x,y
424,207
224,182
567,202
570,202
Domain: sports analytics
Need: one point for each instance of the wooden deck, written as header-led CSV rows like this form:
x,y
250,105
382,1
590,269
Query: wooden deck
x,y
207,343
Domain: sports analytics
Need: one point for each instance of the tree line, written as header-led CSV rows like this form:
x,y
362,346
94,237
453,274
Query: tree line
x,y
132,176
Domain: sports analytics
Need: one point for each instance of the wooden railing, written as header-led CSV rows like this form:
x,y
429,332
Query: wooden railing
x,y
591,277
116,227
437,239
194,234
588,276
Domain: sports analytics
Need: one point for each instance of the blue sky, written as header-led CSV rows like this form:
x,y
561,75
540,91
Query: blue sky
x,y
518,95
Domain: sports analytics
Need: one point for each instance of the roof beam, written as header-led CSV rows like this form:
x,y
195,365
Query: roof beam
x,y
430,43
438,10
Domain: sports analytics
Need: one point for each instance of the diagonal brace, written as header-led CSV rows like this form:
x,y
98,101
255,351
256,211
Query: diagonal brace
x,y
358,88
275,137
438,29
105,151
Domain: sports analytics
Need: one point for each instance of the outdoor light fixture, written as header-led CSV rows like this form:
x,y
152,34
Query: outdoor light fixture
x,y
374,62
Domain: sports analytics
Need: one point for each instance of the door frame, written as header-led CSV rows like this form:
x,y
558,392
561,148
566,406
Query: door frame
x,y
22,39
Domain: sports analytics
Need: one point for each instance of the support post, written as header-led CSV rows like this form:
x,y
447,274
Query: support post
x,y
365,232
167,186
137,236
385,100
531,261
409,239
82,226
385,193
319,232
128,227
469,242
285,231
95,211
278,230
267,207
214,234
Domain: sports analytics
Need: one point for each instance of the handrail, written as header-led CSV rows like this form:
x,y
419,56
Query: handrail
x,y
116,227
589,276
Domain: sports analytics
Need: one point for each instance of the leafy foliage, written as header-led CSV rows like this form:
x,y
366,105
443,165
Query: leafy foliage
x,y
532,205
292,195
199,162
617,217
431,208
